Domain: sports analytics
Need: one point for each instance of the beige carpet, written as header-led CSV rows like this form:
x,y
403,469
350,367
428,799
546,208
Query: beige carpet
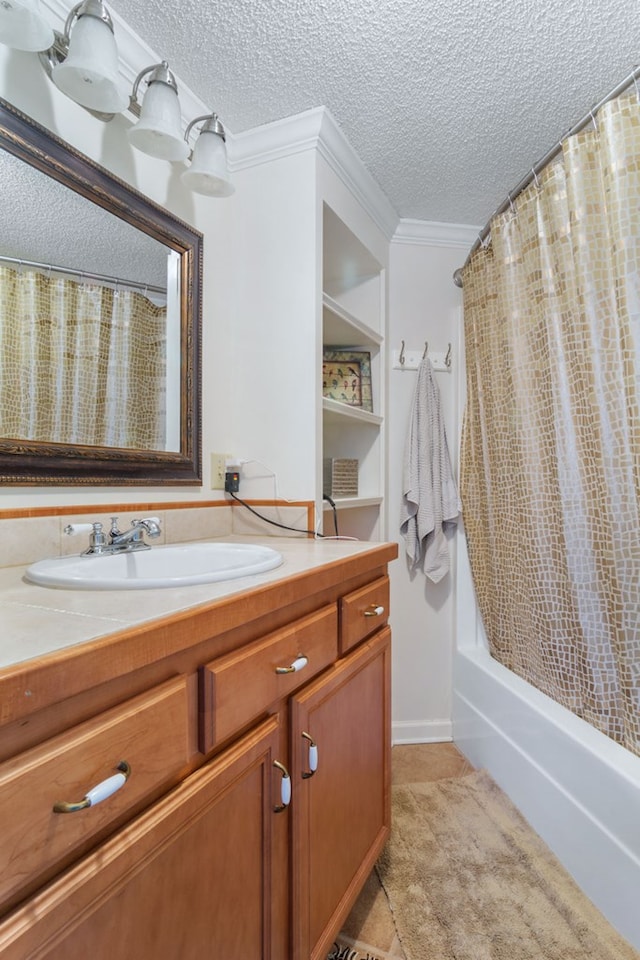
x,y
466,878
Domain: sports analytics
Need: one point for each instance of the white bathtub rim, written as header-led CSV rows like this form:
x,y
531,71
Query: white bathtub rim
x,y
607,751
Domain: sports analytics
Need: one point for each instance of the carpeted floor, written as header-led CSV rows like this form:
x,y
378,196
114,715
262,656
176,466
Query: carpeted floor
x,y
464,877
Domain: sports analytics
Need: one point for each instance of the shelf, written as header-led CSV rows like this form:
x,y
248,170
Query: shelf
x,y
342,329
350,503
337,412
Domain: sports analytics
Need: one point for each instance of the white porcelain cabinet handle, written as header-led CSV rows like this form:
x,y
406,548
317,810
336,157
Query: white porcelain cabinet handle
x,y
298,664
313,756
285,787
375,610
98,793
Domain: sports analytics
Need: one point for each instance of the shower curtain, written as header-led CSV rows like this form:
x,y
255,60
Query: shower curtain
x,y
551,435
80,363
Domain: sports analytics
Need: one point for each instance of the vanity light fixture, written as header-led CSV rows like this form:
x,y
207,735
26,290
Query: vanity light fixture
x,y
209,173
83,64
158,132
23,27
88,73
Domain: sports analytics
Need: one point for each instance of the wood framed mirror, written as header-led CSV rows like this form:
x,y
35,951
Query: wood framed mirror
x,y
100,322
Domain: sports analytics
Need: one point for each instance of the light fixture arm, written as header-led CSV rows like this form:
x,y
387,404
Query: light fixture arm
x,y
211,125
87,8
160,73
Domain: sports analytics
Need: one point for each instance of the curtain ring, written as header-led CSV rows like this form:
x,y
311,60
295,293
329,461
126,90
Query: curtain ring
x,y
401,357
513,209
593,121
426,350
535,178
635,83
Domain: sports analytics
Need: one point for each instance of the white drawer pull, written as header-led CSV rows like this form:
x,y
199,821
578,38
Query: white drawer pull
x,y
98,793
313,756
375,610
285,787
298,664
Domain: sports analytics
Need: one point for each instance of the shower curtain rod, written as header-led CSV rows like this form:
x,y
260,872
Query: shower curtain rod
x,y
85,275
541,164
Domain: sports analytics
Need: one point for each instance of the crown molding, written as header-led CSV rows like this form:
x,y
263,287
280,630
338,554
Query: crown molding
x,y
345,162
275,140
314,129
432,233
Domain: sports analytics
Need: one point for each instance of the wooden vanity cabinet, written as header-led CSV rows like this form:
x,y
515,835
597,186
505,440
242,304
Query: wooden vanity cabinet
x,y
341,815
221,864
191,878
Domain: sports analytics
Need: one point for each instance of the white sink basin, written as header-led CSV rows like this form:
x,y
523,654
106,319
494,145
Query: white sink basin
x,y
173,565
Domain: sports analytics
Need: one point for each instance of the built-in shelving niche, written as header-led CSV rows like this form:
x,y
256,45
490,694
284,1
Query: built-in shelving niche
x,y
353,318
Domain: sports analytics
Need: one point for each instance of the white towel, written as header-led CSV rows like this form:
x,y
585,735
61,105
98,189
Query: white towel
x,y
429,494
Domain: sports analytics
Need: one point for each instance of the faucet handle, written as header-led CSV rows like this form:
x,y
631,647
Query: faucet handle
x,y
73,529
150,524
97,539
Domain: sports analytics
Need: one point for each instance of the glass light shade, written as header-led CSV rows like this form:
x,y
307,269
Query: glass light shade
x,y
23,27
158,131
208,172
89,74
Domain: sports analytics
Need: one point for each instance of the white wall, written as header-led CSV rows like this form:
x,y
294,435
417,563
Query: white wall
x,y
262,323
424,304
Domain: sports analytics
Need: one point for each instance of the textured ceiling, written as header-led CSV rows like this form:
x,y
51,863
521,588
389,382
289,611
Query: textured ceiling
x,y
108,246
447,102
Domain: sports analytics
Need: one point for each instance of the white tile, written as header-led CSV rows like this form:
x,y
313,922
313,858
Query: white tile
x,y
197,523
26,539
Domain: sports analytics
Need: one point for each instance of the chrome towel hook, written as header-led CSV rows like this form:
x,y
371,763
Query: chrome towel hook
x,y
401,357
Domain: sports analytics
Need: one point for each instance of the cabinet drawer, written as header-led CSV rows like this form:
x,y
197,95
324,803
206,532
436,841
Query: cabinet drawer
x,y
149,733
362,612
240,686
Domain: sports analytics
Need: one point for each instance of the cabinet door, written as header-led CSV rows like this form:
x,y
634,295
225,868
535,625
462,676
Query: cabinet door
x,y
191,878
341,812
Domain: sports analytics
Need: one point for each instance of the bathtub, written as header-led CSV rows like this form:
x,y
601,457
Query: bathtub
x,y
578,789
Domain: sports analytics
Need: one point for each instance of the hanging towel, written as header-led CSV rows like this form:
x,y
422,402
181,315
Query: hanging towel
x,y
429,494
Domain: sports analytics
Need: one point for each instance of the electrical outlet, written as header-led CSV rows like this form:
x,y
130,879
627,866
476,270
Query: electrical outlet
x,y
218,470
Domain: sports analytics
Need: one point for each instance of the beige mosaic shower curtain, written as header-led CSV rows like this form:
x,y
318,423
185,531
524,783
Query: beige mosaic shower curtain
x,y
80,363
551,437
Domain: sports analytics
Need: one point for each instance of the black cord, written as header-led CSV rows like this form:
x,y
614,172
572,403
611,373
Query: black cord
x,y
275,523
325,496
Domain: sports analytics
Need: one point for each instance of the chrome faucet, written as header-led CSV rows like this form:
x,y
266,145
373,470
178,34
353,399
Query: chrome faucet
x,y
132,539
119,541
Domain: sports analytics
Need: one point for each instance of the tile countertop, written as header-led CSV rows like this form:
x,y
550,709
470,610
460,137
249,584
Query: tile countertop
x,y
40,620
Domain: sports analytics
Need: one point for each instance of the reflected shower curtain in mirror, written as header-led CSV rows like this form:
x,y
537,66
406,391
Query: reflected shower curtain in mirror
x,y
551,435
80,363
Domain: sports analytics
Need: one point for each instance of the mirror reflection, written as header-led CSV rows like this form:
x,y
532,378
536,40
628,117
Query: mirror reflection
x,y
99,318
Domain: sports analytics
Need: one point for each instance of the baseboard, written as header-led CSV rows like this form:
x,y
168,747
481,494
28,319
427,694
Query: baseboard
x,y
426,731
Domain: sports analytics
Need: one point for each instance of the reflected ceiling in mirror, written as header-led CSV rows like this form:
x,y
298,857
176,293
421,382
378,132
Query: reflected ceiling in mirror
x,y
100,317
